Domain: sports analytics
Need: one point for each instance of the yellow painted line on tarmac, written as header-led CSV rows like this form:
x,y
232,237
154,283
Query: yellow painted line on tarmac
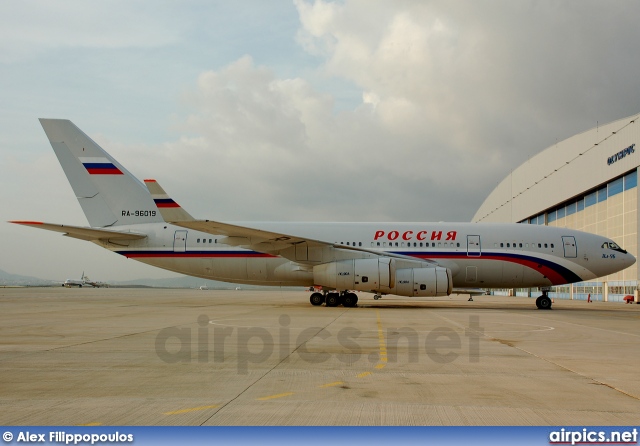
x,y
90,424
278,395
192,409
381,341
363,374
381,366
337,383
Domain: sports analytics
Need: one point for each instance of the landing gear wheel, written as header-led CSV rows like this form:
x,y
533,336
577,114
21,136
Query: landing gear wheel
x,y
316,299
543,302
332,300
349,300
377,296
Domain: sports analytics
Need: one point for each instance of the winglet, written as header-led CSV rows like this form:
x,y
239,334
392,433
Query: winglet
x,y
169,209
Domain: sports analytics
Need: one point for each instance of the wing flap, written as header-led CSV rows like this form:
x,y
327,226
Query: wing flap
x,y
83,233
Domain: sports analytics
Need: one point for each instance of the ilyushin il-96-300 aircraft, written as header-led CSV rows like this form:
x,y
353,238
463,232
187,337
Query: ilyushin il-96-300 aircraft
x,y
403,259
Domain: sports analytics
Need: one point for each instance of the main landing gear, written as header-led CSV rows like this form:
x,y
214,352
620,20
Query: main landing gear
x,y
333,299
543,302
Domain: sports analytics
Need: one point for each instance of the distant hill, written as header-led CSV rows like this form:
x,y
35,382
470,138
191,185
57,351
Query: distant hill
x,y
18,280
8,279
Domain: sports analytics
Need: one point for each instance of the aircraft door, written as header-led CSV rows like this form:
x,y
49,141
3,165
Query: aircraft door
x,y
473,246
180,241
570,246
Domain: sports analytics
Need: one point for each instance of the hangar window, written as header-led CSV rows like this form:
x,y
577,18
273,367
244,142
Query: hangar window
x,y
561,211
631,180
580,204
551,216
615,187
602,194
591,199
571,208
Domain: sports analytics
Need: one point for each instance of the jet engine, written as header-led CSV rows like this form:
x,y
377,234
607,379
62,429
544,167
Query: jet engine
x,y
385,275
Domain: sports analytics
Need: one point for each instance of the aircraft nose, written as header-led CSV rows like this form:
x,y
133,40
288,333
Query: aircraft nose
x,y
629,259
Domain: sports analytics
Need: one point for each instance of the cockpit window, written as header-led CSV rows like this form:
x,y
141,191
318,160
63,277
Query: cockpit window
x,y
613,246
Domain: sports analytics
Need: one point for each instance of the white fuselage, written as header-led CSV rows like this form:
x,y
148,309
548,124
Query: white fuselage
x,y
478,255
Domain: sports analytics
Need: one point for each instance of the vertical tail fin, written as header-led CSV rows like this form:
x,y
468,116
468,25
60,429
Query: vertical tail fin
x,y
108,193
169,209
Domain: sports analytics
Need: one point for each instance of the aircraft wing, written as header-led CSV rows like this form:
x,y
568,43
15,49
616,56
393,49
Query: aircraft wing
x,y
83,233
272,242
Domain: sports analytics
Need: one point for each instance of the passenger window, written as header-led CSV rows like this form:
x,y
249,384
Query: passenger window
x,y
421,244
439,244
520,245
384,244
526,245
359,243
423,286
209,240
552,246
198,240
545,245
502,245
365,279
378,243
539,245
508,245
458,245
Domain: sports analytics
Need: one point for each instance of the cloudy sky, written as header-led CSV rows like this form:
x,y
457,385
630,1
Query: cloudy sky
x,y
357,110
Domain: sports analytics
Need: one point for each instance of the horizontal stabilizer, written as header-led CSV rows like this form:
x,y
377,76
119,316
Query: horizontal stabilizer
x,y
168,208
83,233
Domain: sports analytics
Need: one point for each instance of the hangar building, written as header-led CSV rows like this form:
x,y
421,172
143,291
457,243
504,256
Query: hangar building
x,y
587,182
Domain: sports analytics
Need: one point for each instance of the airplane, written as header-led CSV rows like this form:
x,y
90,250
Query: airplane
x,y
84,280
93,283
402,259
74,282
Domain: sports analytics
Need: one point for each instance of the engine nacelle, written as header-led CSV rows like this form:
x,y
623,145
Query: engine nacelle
x,y
381,276
426,282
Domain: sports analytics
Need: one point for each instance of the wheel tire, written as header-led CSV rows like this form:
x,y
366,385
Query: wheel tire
x,y
332,300
316,299
545,303
350,300
538,302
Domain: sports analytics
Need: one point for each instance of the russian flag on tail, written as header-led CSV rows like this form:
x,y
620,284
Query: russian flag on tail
x,y
99,166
